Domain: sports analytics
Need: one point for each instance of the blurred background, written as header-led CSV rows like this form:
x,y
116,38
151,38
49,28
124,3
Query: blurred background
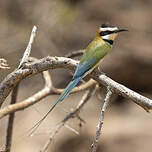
x,y
69,25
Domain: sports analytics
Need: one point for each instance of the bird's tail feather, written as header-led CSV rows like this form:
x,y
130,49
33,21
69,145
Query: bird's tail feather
x,y
68,89
64,94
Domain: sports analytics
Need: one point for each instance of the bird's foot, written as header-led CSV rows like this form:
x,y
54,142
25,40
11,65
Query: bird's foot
x,y
100,71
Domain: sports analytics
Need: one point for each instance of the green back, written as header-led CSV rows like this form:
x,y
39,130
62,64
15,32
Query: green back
x,y
97,49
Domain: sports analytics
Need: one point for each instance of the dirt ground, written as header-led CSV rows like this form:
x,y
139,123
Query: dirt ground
x,y
69,25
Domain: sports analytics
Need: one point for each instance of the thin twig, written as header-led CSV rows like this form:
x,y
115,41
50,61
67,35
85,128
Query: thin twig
x,y
82,102
3,64
74,53
71,129
101,119
11,121
28,49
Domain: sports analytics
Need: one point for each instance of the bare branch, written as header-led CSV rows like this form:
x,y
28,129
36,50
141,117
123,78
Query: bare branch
x,y
120,89
61,62
101,119
32,68
31,100
46,91
11,121
28,49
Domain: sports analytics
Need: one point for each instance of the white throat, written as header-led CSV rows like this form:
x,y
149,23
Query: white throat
x,y
107,37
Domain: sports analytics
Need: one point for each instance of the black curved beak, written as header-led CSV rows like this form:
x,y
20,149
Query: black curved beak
x,y
121,30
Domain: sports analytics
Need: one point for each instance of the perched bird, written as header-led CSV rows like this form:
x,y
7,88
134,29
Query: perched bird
x,y
94,53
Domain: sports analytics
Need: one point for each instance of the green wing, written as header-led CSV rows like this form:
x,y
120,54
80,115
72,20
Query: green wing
x,y
95,51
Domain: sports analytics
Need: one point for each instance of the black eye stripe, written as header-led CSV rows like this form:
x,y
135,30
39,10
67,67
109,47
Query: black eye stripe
x,y
103,33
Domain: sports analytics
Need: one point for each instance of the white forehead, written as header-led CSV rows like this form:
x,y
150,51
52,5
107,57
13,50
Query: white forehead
x,y
108,28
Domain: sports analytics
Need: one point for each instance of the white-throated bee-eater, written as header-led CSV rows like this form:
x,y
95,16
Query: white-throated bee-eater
x,y
94,53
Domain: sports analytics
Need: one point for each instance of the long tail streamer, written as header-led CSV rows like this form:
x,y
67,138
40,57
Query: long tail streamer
x,y
64,94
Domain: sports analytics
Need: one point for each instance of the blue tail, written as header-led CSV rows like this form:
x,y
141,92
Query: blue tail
x,y
64,94
68,89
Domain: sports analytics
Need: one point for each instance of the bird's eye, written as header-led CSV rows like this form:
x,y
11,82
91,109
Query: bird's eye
x,y
103,33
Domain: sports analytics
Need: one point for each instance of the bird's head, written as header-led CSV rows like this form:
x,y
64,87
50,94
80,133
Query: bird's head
x,y
108,32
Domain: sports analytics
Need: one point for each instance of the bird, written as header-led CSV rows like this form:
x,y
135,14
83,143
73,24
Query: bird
x,y
91,58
